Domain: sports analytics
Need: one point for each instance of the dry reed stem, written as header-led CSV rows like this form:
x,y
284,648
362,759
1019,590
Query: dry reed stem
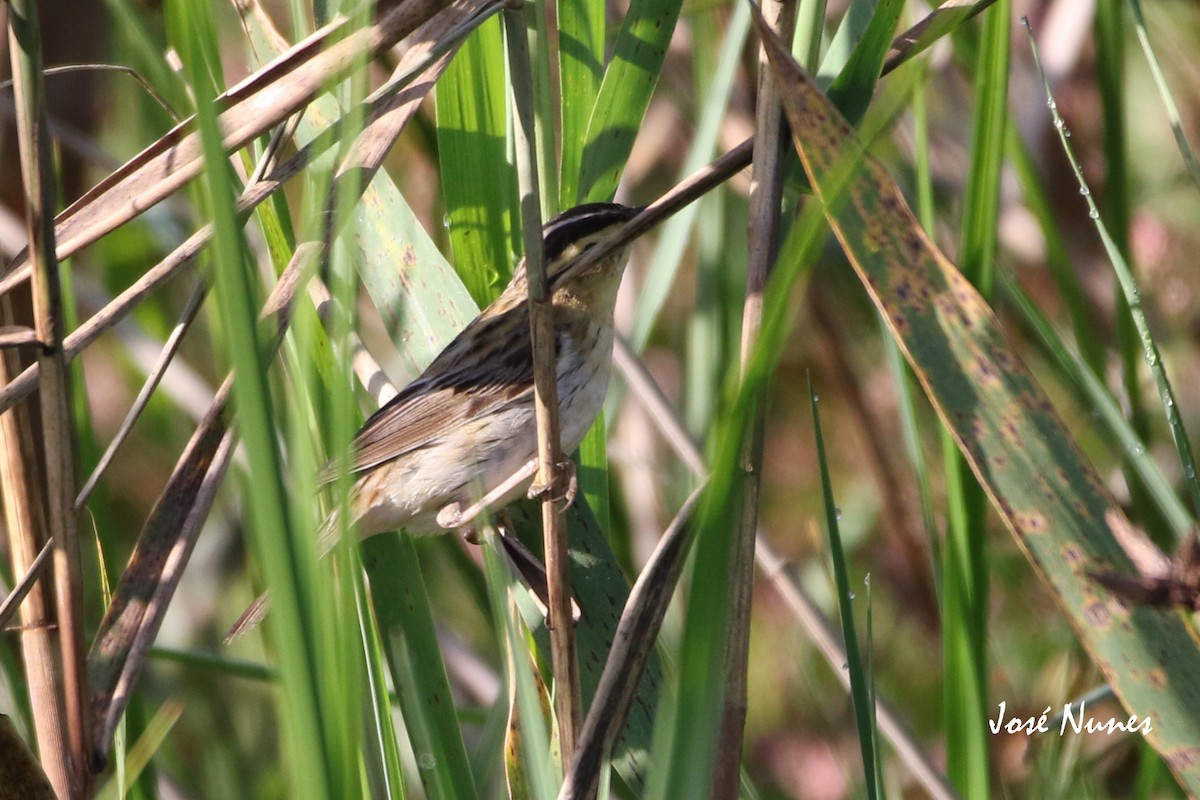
x,y
58,430
567,703
766,193
24,520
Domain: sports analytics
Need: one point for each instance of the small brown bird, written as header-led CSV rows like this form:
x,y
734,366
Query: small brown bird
x,y
463,436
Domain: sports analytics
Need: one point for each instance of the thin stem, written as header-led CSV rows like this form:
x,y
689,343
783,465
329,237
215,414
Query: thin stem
x,y
1132,296
1164,91
25,522
57,423
550,456
766,192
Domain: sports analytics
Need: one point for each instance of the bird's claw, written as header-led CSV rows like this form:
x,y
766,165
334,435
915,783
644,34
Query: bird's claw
x,y
564,484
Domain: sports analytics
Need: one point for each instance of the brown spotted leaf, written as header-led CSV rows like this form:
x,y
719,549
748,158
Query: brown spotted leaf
x,y
1046,493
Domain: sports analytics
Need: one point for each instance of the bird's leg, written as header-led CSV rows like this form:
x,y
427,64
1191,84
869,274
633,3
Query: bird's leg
x,y
564,473
455,516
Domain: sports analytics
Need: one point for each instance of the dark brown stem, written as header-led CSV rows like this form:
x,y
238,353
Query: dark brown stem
x,y
766,191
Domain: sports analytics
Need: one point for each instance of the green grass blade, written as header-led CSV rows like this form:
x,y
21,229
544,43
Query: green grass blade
x,y
624,95
1128,284
860,690
532,769
981,206
965,566
687,735
289,568
593,471
1160,82
1113,421
580,70
851,90
601,590
478,182
407,632
676,232
546,123
1057,259
143,750
420,299
1109,29
387,773
901,375
671,245
850,31
1048,496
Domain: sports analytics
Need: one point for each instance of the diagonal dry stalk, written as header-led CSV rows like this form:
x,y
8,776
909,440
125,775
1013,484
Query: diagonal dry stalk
x,y
808,614
257,104
371,145
637,632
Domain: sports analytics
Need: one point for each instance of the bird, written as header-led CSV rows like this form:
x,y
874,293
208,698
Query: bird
x,y
462,437
465,429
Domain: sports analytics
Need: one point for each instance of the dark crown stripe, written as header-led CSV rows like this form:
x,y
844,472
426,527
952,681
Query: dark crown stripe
x,y
576,224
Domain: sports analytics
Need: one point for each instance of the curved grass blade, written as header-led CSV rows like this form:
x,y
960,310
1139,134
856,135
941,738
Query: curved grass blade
x,y
624,95
479,182
1047,495
580,70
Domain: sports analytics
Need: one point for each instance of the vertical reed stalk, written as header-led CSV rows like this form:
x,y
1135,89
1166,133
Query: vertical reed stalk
x,y
765,196
554,523
54,387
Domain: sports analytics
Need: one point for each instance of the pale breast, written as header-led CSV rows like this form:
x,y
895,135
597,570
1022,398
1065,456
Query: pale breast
x,y
470,460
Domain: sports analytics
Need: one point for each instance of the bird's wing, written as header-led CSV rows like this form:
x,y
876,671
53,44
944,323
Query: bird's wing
x,y
405,425
477,373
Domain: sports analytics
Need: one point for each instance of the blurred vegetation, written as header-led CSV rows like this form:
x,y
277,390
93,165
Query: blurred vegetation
x,y
800,737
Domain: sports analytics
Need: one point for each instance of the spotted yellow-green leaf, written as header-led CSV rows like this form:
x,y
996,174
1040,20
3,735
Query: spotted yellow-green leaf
x,y
516,773
1040,484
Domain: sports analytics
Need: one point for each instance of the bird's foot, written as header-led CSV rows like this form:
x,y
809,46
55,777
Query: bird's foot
x,y
563,485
